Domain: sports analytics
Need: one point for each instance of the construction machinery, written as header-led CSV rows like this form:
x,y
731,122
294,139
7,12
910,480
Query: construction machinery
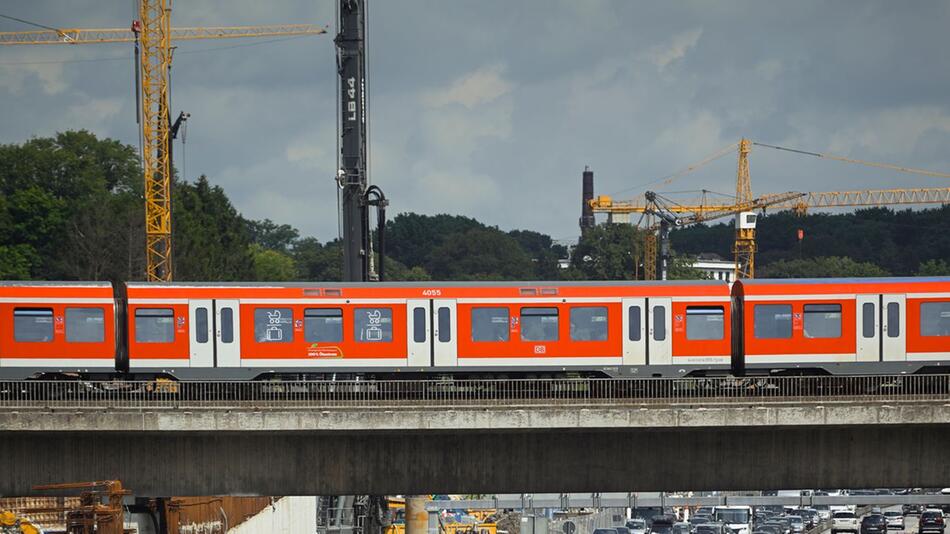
x,y
353,175
153,37
652,206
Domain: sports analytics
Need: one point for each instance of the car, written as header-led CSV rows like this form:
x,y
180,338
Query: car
x,y
895,519
778,524
710,528
810,515
605,531
697,519
662,524
637,526
798,523
931,521
874,524
682,527
771,528
911,509
844,521
622,530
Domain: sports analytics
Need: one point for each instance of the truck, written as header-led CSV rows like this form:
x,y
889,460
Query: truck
x,y
738,519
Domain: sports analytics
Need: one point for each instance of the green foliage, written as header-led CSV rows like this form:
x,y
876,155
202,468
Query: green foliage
x,y
896,241
272,266
318,262
272,236
480,254
823,267
934,268
681,268
209,238
607,252
64,202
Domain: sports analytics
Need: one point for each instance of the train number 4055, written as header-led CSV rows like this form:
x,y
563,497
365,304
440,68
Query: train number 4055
x,y
431,292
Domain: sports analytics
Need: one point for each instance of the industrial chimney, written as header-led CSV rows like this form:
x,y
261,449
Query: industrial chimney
x,y
587,194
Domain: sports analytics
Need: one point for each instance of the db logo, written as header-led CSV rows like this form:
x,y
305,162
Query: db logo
x,y
539,349
679,318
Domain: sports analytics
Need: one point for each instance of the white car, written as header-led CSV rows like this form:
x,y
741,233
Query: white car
x,y
637,526
844,521
895,519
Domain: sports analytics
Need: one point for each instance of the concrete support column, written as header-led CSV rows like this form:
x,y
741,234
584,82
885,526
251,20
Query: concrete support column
x,y
417,519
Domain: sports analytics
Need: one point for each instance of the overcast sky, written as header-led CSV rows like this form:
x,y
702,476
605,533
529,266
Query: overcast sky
x,y
492,108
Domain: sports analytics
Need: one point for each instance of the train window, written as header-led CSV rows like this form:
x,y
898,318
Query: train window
x,y
85,325
33,325
659,323
589,323
445,325
323,324
154,325
772,321
539,324
633,323
867,319
227,325
705,322
489,324
822,320
419,325
374,324
893,319
201,325
935,318
273,325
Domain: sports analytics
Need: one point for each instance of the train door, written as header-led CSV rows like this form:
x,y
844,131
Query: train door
x,y
227,333
868,328
894,335
660,349
634,331
419,332
199,333
444,333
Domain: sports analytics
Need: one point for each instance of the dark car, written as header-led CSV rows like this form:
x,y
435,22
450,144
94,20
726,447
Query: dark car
x,y
698,519
810,516
662,524
710,528
771,528
930,521
874,524
605,531
911,509
622,530
782,522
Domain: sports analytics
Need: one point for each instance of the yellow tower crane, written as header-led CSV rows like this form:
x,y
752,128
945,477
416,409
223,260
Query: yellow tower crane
x,y
153,35
652,205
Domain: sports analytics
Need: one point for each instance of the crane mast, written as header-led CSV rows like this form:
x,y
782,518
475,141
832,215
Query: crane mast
x,y
352,178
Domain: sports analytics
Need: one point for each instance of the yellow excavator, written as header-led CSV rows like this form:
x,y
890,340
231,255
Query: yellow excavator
x,y
11,523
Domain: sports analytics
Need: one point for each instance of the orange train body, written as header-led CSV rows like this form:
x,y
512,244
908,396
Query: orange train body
x,y
243,331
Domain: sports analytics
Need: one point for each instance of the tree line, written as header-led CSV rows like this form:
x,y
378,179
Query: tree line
x,y
71,208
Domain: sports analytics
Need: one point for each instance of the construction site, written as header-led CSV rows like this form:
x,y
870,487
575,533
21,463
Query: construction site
x,y
142,309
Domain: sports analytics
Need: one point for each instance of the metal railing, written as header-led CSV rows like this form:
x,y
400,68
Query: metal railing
x,y
380,394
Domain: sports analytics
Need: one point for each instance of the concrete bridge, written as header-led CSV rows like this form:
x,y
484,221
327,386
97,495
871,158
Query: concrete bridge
x,y
293,443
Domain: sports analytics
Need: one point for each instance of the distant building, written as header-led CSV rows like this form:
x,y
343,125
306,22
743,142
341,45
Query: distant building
x,y
715,267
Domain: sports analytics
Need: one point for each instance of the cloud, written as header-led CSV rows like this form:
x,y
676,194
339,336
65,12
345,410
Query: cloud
x,y
479,87
664,54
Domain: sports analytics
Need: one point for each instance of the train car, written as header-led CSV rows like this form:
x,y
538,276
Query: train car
x,y
842,326
57,328
243,331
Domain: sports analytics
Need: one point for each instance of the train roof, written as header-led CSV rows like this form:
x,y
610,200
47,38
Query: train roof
x,y
927,284
50,283
877,280
436,283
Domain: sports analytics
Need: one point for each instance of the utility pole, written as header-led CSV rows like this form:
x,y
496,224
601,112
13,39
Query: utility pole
x,y
351,64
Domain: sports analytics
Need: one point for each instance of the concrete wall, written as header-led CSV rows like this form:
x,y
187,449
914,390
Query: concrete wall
x,y
288,515
484,461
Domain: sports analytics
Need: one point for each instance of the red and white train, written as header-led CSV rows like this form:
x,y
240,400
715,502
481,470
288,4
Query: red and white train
x,y
245,331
